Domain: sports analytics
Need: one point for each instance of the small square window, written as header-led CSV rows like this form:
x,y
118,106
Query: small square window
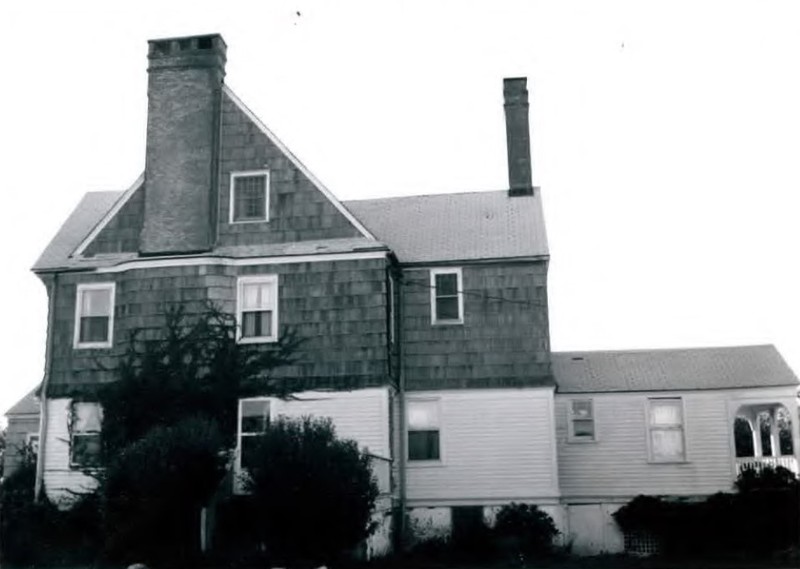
x,y
257,308
85,441
666,430
581,420
447,301
423,430
249,196
94,315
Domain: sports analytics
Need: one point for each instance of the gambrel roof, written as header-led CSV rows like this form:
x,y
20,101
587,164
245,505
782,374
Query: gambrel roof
x,y
671,370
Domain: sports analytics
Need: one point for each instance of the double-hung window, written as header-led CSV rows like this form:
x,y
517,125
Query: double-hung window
x,y
447,301
581,420
249,196
257,308
665,426
85,422
94,315
423,430
253,422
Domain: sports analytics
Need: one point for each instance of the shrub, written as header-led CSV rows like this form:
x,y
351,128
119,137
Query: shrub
x,y
525,529
154,489
315,492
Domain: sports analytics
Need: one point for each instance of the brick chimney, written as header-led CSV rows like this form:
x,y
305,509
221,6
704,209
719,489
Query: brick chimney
x,y
518,136
181,164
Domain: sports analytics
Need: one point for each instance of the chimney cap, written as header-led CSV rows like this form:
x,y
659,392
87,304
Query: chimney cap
x,y
186,45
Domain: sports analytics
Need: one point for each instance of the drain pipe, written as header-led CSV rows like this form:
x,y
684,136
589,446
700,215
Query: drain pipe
x,y
48,368
401,410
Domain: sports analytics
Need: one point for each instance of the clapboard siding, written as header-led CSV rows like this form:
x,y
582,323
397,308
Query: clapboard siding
x,y
61,481
338,309
504,340
616,465
361,415
497,446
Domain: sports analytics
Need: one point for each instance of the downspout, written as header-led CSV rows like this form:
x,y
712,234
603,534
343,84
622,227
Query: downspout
x,y
48,368
401,411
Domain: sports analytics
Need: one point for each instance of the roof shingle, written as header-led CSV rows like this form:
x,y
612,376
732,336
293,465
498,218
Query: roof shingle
x,y
671,370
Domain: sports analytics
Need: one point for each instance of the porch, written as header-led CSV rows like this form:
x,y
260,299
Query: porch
x,y
764,437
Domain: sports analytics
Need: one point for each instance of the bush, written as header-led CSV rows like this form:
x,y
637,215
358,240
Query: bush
x,y
41,533
525,529
154,489
315,492
763,517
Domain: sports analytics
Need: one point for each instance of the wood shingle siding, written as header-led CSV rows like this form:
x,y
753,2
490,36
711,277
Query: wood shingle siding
x,y
338,308
121,234
503,341
496,447
298,211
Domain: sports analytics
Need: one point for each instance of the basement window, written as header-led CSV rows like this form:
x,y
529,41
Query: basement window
x,y
94,315
257,309
447,299
249,196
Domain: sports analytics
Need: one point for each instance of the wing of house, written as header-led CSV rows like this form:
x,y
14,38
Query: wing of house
x,y
425,318
661,422
22,432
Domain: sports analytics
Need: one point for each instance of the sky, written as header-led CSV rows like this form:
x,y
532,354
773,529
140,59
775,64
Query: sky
x,y
665,137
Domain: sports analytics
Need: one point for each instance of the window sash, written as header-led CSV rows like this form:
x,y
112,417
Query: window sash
x,y
423,445
85,449
94,315
249,197
257,315
446,296
666,430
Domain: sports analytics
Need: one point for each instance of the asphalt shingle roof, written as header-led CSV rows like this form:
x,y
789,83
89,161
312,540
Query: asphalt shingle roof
x,y
456,227
28,405
671,370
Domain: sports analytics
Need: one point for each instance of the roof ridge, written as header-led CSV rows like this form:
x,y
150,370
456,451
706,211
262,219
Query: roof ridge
x,y
650,350
444,194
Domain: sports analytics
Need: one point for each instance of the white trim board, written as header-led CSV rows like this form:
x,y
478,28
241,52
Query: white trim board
x,y
121,201
237,262
299,165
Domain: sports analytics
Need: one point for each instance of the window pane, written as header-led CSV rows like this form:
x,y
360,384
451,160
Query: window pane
x,y
665,412
447,308
667,444
257,324
88,417
423,415
447,284
423,445
249,197
582,408
249,449
85,449
256,296
255,416
583,428
96,302
93,329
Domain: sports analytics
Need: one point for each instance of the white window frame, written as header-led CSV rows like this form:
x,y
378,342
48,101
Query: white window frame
x,y
29,437
232,188
572,417
270,402
460,292
240,282
411,463
77,344
651,458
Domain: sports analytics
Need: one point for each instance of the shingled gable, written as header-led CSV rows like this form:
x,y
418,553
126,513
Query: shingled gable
x,y
687,369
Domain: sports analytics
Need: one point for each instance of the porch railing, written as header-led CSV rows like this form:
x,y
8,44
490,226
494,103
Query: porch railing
x,y
759,462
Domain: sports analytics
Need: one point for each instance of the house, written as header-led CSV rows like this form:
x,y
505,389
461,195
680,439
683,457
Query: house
x,y
425,321
22,432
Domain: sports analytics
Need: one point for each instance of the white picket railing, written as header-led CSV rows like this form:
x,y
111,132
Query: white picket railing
x,y
759,462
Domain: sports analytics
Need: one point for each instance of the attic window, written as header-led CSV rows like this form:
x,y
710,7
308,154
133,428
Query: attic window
x,y
249,196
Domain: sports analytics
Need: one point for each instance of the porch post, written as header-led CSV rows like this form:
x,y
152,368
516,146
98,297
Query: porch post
x,y
755,424
774,436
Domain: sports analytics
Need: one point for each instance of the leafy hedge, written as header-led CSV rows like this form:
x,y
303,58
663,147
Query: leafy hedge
x,y
762,517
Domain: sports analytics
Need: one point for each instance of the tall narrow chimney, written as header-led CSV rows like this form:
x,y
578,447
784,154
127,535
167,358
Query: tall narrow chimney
x,y
518,136
184,92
